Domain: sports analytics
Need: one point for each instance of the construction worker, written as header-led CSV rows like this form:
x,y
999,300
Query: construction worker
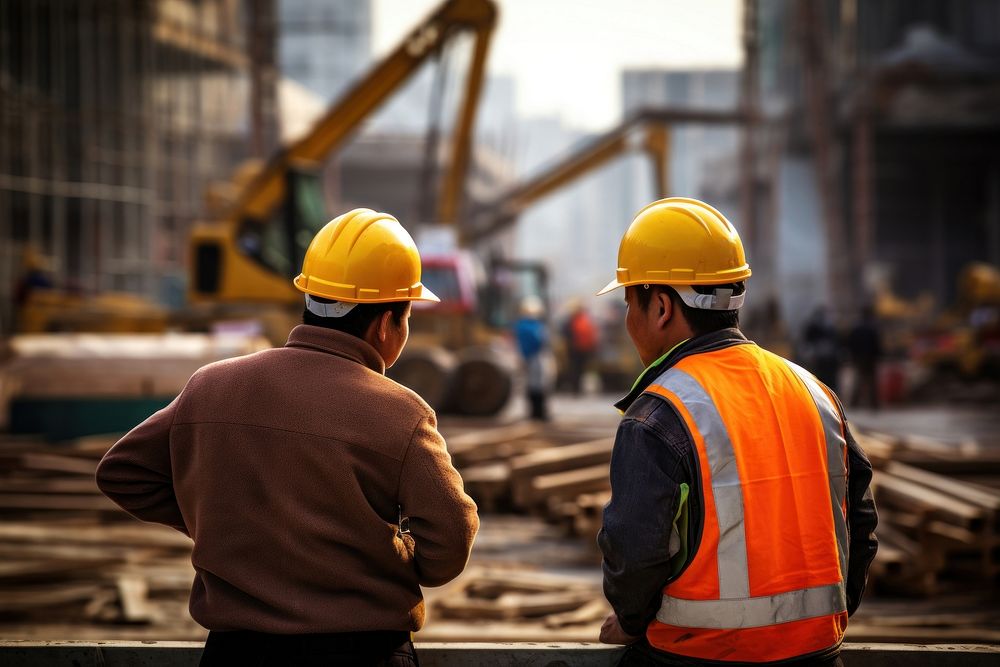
x,y
740,527
580,333
532,337
318,492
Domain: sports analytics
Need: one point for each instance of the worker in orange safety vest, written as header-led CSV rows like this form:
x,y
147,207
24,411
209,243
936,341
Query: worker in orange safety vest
x,y
741,523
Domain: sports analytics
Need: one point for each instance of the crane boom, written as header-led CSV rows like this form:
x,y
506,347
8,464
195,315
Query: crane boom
x,y
645,129
228,261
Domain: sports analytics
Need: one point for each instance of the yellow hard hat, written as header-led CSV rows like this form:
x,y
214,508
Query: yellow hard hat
x,y
363,257
679,241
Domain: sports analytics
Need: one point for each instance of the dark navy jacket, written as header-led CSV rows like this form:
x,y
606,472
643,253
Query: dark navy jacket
x,y
653,455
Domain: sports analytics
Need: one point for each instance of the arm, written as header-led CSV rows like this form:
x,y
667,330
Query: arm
x,y
862,519
443,520
646,473
136,472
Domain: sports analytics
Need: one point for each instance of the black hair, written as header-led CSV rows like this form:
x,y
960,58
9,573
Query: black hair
x,y
700,320
357,321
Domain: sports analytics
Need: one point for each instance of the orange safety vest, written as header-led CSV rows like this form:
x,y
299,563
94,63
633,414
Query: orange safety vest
x,y
767,581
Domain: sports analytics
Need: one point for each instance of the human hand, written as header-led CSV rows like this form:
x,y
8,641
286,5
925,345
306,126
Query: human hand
x,y
612,633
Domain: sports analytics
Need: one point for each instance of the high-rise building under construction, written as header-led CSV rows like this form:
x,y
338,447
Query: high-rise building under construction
x,y
114,117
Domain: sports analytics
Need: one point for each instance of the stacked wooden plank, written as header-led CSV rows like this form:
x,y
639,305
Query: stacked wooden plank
x,y
560,473
936,527
519,596
70,559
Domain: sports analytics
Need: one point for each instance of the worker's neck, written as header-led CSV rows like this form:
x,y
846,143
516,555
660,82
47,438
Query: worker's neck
x,y
676,332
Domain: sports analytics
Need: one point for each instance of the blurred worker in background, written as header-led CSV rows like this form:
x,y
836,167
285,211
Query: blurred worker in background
x,y
581,337
34,276
533,342
820,347
864,344
318,492
740,526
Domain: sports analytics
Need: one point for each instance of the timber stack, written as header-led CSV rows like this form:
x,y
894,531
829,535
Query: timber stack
x,y
939,510
74,564
69,554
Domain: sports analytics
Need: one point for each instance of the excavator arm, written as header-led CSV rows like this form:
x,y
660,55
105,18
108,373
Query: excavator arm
x,y
249,253
647,130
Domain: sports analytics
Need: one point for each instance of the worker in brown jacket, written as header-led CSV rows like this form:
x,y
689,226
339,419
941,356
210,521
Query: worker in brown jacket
x,y
319,494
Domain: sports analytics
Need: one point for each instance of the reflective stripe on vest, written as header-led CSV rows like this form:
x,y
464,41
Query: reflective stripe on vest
x,y
735,608
836,456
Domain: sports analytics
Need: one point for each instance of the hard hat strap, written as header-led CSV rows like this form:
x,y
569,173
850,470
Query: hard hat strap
x,y
334,309
720,299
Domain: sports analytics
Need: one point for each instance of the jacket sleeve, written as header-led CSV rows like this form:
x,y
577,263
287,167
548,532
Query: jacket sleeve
x,y
646,473
442,517
862,519
136,472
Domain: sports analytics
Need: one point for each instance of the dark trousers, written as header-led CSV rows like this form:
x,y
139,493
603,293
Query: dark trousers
x,y
865,386
258,649
539,408
578,361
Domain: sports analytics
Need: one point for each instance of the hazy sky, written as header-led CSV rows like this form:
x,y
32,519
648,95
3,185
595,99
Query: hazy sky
x,y
565,55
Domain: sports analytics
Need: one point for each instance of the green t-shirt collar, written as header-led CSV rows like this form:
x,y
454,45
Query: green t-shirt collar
x,y
654,364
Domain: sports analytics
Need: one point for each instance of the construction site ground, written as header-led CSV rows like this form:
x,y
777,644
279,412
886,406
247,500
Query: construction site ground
x,y
76,568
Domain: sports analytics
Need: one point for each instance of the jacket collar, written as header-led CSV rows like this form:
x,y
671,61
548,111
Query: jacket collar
x,y
336,343
709,342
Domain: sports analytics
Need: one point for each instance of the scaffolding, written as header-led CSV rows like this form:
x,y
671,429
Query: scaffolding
x,y
114,116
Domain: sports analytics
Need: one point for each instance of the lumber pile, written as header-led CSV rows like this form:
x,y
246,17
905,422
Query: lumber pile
x,y
71,561
561,474
938,523
517,596
940,518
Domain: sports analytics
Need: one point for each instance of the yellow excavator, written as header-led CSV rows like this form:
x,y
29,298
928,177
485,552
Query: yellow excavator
x,y
242,261
250,252
259,224
963,342
261,221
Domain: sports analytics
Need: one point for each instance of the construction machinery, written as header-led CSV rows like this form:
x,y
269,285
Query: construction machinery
x,y
250,252
964,342
267,216
645,130
262,219
244,255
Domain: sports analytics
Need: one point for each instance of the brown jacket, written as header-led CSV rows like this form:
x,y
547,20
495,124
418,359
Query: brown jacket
x,y
289,469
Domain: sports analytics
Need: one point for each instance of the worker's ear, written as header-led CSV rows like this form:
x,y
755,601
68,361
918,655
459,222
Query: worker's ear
x,y
384,324
664,308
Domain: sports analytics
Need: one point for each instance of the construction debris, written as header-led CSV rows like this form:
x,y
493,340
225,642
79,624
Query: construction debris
x,y
70,559
936,525
513,596
73,565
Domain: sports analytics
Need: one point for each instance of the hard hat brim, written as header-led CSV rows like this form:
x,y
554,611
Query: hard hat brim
x,y
613,285
427,295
